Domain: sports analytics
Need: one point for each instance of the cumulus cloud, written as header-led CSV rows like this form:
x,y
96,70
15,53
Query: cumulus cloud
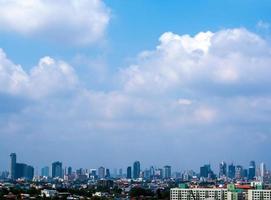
x,y
73,21
48,77
231,56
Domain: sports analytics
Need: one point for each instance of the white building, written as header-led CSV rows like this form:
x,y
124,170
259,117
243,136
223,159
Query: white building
x,y
198,193
259,194
48,193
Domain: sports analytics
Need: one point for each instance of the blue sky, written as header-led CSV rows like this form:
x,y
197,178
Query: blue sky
x,y
117,81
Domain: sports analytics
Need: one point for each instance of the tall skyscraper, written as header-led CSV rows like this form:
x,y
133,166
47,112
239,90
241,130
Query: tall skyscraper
x,y
262,171
120,173
167,172
152,172
136,171
251,170
205,171
231,171
238,172
13,165
57,170
222,169
101,172
107,173
69,171
129,172
45,171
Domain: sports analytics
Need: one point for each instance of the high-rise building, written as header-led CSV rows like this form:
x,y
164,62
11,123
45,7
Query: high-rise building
x,y
147,174
45,171
29,172
205,171
69,171
24,171
101,172
129,172
231,171
167,172
107,173
120,173
13,165
57,171
222,169
238,172
20,170
152,172
136,171
262,171
251,170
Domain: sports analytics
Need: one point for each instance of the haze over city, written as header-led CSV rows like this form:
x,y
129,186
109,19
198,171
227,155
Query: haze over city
x,y
107,82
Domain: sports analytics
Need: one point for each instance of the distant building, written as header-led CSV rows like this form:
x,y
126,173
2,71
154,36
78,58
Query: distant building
x,y
24,171
167,172
45,171
20,170
222,169
107,173
231,171
101,172
120,173
147,174
262,172
245,173
251,170
205,171
13,166
238,172
152,172
129,172
57,171
69,171
136,171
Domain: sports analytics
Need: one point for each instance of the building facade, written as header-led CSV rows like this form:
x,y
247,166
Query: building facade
x,y
198,194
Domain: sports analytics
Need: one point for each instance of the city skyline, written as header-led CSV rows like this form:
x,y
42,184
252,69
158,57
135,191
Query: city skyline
x,y
108,82
221,169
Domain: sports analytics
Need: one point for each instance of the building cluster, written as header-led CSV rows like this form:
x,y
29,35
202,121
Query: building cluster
x,y
20,170
231,182
237,172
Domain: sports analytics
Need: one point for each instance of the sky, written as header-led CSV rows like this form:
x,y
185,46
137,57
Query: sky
x,y
106,82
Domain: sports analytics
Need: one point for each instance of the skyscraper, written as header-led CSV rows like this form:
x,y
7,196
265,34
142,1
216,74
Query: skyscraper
x,y
57,170
167,172
136,172
262,171
205,171
231,171
12,165
129,172
101,172
238,172
45,171
69,171
222,169
107,173
251,170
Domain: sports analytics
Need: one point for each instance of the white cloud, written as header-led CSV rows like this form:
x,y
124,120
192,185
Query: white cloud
x,y
231,56
73,21
48,77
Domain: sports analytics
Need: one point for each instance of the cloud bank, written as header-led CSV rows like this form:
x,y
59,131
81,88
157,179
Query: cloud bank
x,y
78,22
209,92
